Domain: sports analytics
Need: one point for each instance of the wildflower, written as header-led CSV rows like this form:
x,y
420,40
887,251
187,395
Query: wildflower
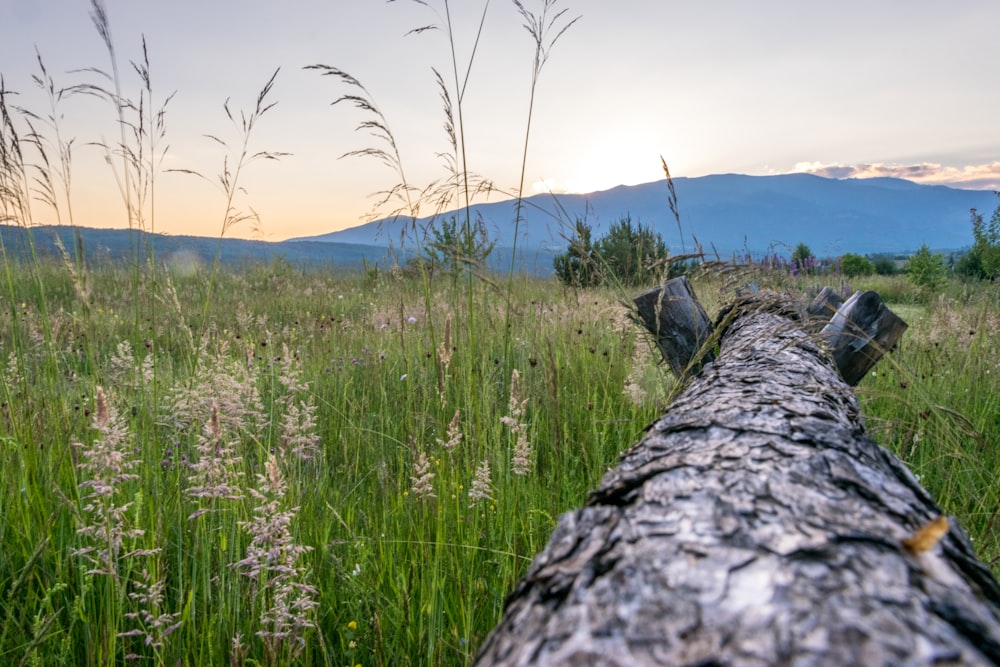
x,y
411,320
422,477
353,625
481,488
402,378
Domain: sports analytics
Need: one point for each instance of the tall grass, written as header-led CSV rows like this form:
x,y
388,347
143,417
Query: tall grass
x,y
315,423
346,469
410,510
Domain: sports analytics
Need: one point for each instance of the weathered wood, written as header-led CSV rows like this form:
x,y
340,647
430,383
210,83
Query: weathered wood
x,y
825,304
678,322
755,524
860,332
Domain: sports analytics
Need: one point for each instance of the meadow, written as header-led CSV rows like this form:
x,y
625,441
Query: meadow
x,y
351,469
267,465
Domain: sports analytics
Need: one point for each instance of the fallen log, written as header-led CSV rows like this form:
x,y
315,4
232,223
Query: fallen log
x,y
756,523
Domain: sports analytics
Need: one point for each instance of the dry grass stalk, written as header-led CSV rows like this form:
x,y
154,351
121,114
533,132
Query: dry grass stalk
x,y
272,560
482,487
105,471
155,625
521,459
215,474
453,436
422,477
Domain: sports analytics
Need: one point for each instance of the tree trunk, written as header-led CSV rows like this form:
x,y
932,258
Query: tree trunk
x,y
755,524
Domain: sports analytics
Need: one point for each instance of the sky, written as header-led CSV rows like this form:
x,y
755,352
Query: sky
x,y
843,89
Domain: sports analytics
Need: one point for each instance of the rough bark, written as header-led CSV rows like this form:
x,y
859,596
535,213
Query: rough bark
x,y
755,524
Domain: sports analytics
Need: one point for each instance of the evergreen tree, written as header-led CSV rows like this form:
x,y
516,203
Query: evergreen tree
x,y
926,269
579,266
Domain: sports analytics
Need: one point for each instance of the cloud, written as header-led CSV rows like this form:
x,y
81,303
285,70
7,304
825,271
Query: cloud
x,y
970,177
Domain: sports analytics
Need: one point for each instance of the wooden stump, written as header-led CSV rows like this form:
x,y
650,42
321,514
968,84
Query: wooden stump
x,y
755,524
678,322
860,332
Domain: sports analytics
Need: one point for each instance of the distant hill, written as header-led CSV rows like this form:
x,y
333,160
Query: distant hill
x,y
733,213
728,213
116,245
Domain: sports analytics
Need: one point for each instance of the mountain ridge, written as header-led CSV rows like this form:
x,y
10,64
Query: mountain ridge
x,y
728,214
735,213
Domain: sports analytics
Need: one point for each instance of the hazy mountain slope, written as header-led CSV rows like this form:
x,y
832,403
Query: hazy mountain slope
x,y
733,212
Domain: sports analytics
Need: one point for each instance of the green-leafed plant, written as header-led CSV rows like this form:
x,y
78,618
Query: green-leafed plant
x,y
803,259
579,266
853,265
926,270
986,249
630,254
452,248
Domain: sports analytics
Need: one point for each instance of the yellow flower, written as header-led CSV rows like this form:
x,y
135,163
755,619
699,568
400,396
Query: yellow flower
x,y
353,625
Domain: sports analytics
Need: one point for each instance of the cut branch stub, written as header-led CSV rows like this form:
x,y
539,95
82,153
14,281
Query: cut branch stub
x,y
677,320
860,332
824,306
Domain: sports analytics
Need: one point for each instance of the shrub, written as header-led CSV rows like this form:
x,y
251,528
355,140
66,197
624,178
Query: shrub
x,y
803,258
884,266
631,252
926,269
970,265
986,249
855,265
454,247
579,266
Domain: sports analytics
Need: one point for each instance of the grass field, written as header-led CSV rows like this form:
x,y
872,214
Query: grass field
x,y
355,469
269,466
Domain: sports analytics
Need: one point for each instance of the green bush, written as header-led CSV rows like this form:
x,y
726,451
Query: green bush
x,y
855,265
455,246
803,258
884,266
986,249
579,266
926,269
629,254
970,265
